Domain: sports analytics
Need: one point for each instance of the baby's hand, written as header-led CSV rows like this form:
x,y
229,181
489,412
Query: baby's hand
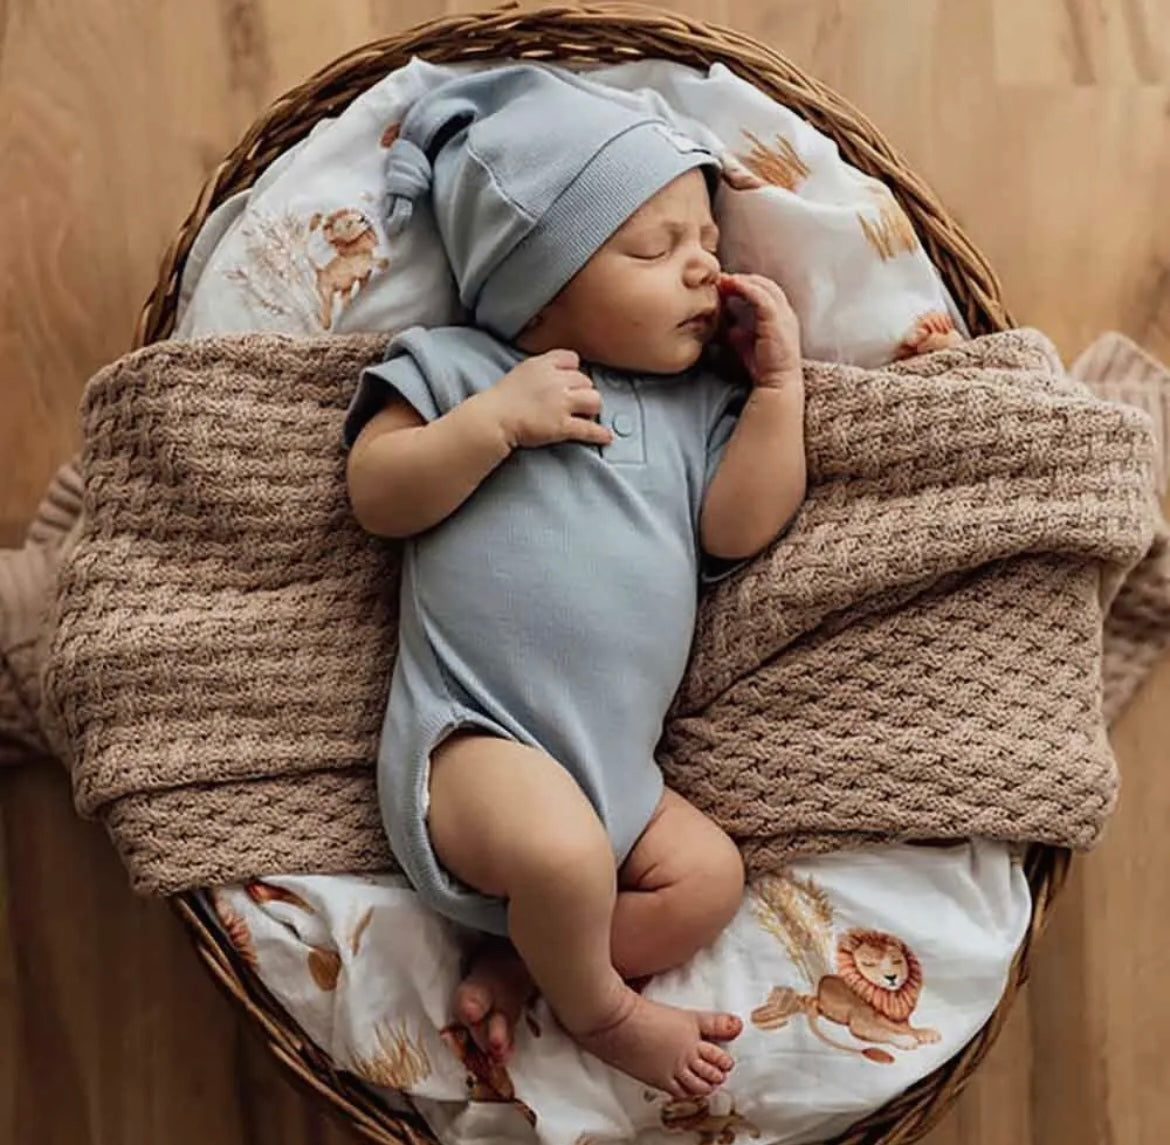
x,y
763,329
545,400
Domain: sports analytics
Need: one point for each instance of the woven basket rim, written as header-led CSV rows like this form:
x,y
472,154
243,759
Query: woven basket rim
x,y
589,33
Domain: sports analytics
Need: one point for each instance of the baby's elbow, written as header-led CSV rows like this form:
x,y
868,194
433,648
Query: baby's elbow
x,y
372,519
746,537
731,544
369,504
374,522
736,553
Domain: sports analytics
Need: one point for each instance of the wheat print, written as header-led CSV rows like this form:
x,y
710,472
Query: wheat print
x,y
359,930
277,273
796,912
398,1061
778,163
818,901
891,233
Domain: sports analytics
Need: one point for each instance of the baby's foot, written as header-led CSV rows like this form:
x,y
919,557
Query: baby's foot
x,y
664,1046
491,998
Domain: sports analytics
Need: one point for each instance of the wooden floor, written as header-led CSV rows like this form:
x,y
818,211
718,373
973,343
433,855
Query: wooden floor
x,y
1044,124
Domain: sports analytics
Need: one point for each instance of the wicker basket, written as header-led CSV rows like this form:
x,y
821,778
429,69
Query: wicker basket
x,y
591,34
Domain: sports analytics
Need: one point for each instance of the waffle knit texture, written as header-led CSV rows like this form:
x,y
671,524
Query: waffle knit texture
x,y
923,656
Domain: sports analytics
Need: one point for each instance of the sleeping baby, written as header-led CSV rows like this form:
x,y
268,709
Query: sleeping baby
x,y
564,472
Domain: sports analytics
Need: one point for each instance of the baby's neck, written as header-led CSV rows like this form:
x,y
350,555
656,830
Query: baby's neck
x,y
536,339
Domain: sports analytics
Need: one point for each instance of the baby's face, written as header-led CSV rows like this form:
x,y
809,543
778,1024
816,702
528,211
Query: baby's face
x,y
647,301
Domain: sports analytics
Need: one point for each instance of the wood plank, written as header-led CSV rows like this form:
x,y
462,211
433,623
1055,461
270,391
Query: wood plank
x,y
996,1106
9,985
117,1031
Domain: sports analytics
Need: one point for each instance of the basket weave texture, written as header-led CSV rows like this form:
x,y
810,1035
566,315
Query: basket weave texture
x,y
602,33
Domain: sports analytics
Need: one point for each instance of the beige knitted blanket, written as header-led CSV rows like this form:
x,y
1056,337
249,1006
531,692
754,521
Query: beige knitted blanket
x,y
921,656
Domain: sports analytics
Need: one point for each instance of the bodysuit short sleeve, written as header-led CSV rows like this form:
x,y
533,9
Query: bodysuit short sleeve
x,y
413,370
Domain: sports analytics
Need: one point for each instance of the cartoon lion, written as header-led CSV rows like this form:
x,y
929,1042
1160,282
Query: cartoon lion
x,y
694,1115
353,240
873,994
487,1080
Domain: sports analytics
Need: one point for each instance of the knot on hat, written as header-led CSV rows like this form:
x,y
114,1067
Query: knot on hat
x,y
408,177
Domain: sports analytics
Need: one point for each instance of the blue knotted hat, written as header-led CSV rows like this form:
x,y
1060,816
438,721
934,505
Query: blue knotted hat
x,y
530,170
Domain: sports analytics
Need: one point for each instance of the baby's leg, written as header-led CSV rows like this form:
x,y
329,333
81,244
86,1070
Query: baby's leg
x,y
678,889
680,886
511,822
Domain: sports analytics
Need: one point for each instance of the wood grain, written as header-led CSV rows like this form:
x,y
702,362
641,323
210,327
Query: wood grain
x,y
1044,124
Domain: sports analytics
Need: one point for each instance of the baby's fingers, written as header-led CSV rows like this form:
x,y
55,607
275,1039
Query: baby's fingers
x,y
562,359
584,402
765,296
576,380
742,341
589,432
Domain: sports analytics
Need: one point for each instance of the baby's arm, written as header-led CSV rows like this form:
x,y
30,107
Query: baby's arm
x,y
761,480
405,475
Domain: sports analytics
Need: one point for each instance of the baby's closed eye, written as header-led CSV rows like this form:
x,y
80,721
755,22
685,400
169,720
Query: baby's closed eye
x,y
648,251
648,246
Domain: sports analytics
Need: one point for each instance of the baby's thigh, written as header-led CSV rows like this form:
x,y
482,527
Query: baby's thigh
x,y
681,847
499,809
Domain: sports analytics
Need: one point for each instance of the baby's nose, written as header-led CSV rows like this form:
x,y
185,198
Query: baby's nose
x,y
703,268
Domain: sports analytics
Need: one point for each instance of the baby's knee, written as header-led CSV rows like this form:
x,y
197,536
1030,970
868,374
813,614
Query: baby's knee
x,y
562,853
717,882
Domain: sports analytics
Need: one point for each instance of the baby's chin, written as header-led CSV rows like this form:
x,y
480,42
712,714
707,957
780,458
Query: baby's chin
x,y
673,355
673,351
684,352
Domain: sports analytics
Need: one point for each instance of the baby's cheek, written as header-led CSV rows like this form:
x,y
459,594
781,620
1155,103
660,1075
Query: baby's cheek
x,y
626,318
652,314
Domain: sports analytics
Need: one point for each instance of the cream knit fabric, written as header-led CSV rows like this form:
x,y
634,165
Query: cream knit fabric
x,y
920,657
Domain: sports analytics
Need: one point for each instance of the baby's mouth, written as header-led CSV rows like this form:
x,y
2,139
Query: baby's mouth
x,y
703,322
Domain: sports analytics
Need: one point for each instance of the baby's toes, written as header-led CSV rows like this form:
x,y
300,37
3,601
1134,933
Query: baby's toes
x,y
708,1071
716,1056
720,1027
499,1036
472,1003
692,1085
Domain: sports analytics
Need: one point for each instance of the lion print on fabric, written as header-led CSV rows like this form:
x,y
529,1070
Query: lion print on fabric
x,y
307,271
713,1119
235,927
487,1079
354,246
867,980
